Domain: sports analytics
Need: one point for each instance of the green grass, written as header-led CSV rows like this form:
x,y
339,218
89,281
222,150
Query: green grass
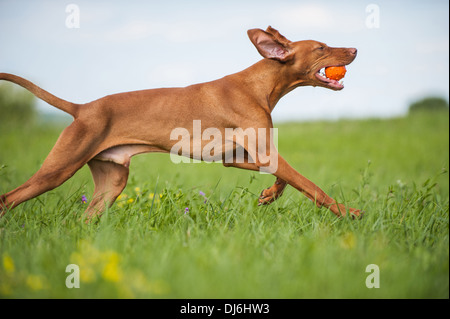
x,y
145,246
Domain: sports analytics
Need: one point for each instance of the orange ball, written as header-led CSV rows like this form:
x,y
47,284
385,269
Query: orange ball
x,y
335,72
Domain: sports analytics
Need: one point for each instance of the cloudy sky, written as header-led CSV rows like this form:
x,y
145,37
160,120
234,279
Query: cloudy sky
x,y
403,48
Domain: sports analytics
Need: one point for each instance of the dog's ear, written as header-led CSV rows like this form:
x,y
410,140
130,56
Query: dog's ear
x,y
271,44
278,36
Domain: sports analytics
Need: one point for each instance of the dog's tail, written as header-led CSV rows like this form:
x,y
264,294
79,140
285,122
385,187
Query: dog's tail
x,y
61,104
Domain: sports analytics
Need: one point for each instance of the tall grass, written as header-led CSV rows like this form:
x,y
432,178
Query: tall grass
x,y
195,230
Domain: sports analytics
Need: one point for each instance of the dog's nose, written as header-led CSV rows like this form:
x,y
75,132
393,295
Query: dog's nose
x,y
353,51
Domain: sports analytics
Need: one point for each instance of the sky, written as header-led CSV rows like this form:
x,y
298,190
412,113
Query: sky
x,y
119,46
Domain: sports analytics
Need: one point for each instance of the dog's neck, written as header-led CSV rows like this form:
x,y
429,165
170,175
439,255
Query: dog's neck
x,y
268,81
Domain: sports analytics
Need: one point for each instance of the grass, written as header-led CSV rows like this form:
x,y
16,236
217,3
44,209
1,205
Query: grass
x,y
225,246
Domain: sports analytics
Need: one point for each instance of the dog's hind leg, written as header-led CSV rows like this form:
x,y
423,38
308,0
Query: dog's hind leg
x,y
110,179
72,150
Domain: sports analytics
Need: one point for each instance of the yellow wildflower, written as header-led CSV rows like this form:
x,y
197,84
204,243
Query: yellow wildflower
x,y
87,274
348,241
111,271
8,264
35,282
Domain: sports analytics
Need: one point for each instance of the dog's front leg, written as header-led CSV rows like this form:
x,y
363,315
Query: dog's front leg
x,y
250,143
312,191
268,195
267,159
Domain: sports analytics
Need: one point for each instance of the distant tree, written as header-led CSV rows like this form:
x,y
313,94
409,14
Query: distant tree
x,y
16,105
431,103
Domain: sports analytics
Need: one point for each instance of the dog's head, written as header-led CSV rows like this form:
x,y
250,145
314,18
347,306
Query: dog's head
x,y
304,60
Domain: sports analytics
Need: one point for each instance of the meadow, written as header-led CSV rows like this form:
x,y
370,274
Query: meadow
x,y
195,230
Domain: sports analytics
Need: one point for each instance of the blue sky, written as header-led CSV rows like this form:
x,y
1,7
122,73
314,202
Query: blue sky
x,y
131,45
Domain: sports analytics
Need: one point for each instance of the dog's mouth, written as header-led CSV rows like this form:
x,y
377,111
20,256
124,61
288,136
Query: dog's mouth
x,y
330,83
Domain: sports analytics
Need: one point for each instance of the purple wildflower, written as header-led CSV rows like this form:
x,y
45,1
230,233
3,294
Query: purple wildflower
x,y
186,210
83,199
204,196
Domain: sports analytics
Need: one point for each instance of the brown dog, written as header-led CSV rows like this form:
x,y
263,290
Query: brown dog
x,y
106,133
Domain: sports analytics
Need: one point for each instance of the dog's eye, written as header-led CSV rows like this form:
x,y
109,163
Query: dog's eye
x,y
321,48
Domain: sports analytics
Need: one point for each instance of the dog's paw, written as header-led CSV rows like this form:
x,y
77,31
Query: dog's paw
x,y
268,195
355,213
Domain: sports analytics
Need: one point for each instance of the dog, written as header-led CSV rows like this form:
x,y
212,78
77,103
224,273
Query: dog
x,y
107,132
